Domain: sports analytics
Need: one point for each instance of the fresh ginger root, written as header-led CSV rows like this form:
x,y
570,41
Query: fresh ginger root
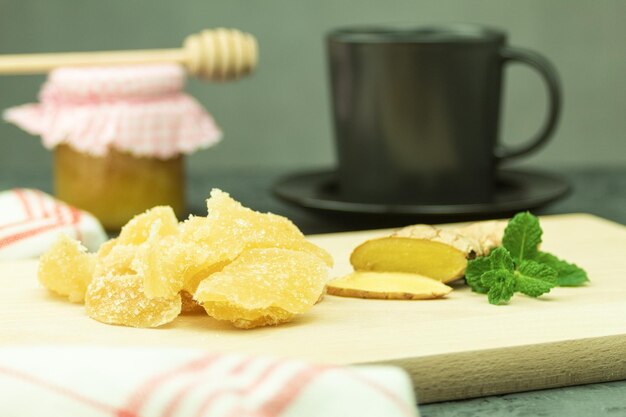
x,y
387,285
427,250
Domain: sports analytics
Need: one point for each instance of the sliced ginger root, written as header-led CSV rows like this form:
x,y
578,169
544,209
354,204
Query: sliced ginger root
x,y
388,286
67,269
436,253
436,260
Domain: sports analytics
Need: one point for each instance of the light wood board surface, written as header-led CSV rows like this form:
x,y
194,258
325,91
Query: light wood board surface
x,y
459,347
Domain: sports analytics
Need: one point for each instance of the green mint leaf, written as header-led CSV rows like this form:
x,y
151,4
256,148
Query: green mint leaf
x,y
474,271
535,279
501,284
522,237
568,275
500,258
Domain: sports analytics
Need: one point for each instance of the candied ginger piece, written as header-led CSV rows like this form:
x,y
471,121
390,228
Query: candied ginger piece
x,y
160,218
169,265
313,249
230,228
66,268
115,259
120,300
199,271
160,261
106,247
264,286
189,305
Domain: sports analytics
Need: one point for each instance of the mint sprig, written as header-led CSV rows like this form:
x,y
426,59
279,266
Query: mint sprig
x,y
519,266
535,279
568,275
522,237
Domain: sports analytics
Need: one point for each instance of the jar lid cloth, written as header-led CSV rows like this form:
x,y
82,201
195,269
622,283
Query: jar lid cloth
x,y
141,110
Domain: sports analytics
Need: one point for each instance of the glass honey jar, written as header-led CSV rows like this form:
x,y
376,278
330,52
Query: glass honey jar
x,y
119,137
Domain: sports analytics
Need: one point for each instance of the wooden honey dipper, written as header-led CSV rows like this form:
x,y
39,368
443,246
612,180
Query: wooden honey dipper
x,y
217,54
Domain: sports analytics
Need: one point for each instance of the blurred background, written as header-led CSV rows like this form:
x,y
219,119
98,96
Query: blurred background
x,y
280,117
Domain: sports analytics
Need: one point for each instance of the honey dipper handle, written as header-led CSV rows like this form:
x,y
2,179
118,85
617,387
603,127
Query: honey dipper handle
x,y
40,63
218,54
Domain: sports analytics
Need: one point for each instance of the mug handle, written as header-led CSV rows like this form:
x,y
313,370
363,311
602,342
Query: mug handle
x,y
549,74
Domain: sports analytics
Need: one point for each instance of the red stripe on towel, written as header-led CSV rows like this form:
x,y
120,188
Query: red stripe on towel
x,y
384,391
184,391
214,396
41,202
19,192
277,404
62,391
143,394
76,215
9,240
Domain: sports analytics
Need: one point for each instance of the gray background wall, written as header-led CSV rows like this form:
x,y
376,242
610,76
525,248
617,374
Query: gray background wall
x,y
280,116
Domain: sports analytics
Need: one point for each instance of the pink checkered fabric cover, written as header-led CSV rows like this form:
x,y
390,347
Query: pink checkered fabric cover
x,y
138,109
158,382
31,221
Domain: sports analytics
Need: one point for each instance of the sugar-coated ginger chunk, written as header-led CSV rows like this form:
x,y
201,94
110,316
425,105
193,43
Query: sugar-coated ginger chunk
x,y
106,247
115,259
120,300
264,286
198,272
189,305
156,262
66,268
168,265
231,228
160,219
250,268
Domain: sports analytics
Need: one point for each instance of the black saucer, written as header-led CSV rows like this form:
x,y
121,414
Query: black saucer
x,y
516,190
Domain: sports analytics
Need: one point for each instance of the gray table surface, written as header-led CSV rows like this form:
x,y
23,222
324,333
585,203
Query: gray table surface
x,y
599,191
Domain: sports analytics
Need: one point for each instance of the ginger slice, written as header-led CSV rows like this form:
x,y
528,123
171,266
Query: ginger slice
x,y
437,253
120,300
430,258
262,287
66,268
388,286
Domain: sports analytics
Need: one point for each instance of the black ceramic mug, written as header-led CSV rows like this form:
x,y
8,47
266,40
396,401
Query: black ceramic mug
x,y
417,111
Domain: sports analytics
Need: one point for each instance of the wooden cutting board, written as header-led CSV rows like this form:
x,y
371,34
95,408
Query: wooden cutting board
x,y
459,347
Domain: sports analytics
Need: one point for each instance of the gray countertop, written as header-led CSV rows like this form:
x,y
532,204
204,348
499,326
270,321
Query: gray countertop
x,y
599,191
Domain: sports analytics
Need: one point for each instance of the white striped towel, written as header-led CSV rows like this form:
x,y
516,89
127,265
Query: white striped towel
x,y
139,382
31,221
